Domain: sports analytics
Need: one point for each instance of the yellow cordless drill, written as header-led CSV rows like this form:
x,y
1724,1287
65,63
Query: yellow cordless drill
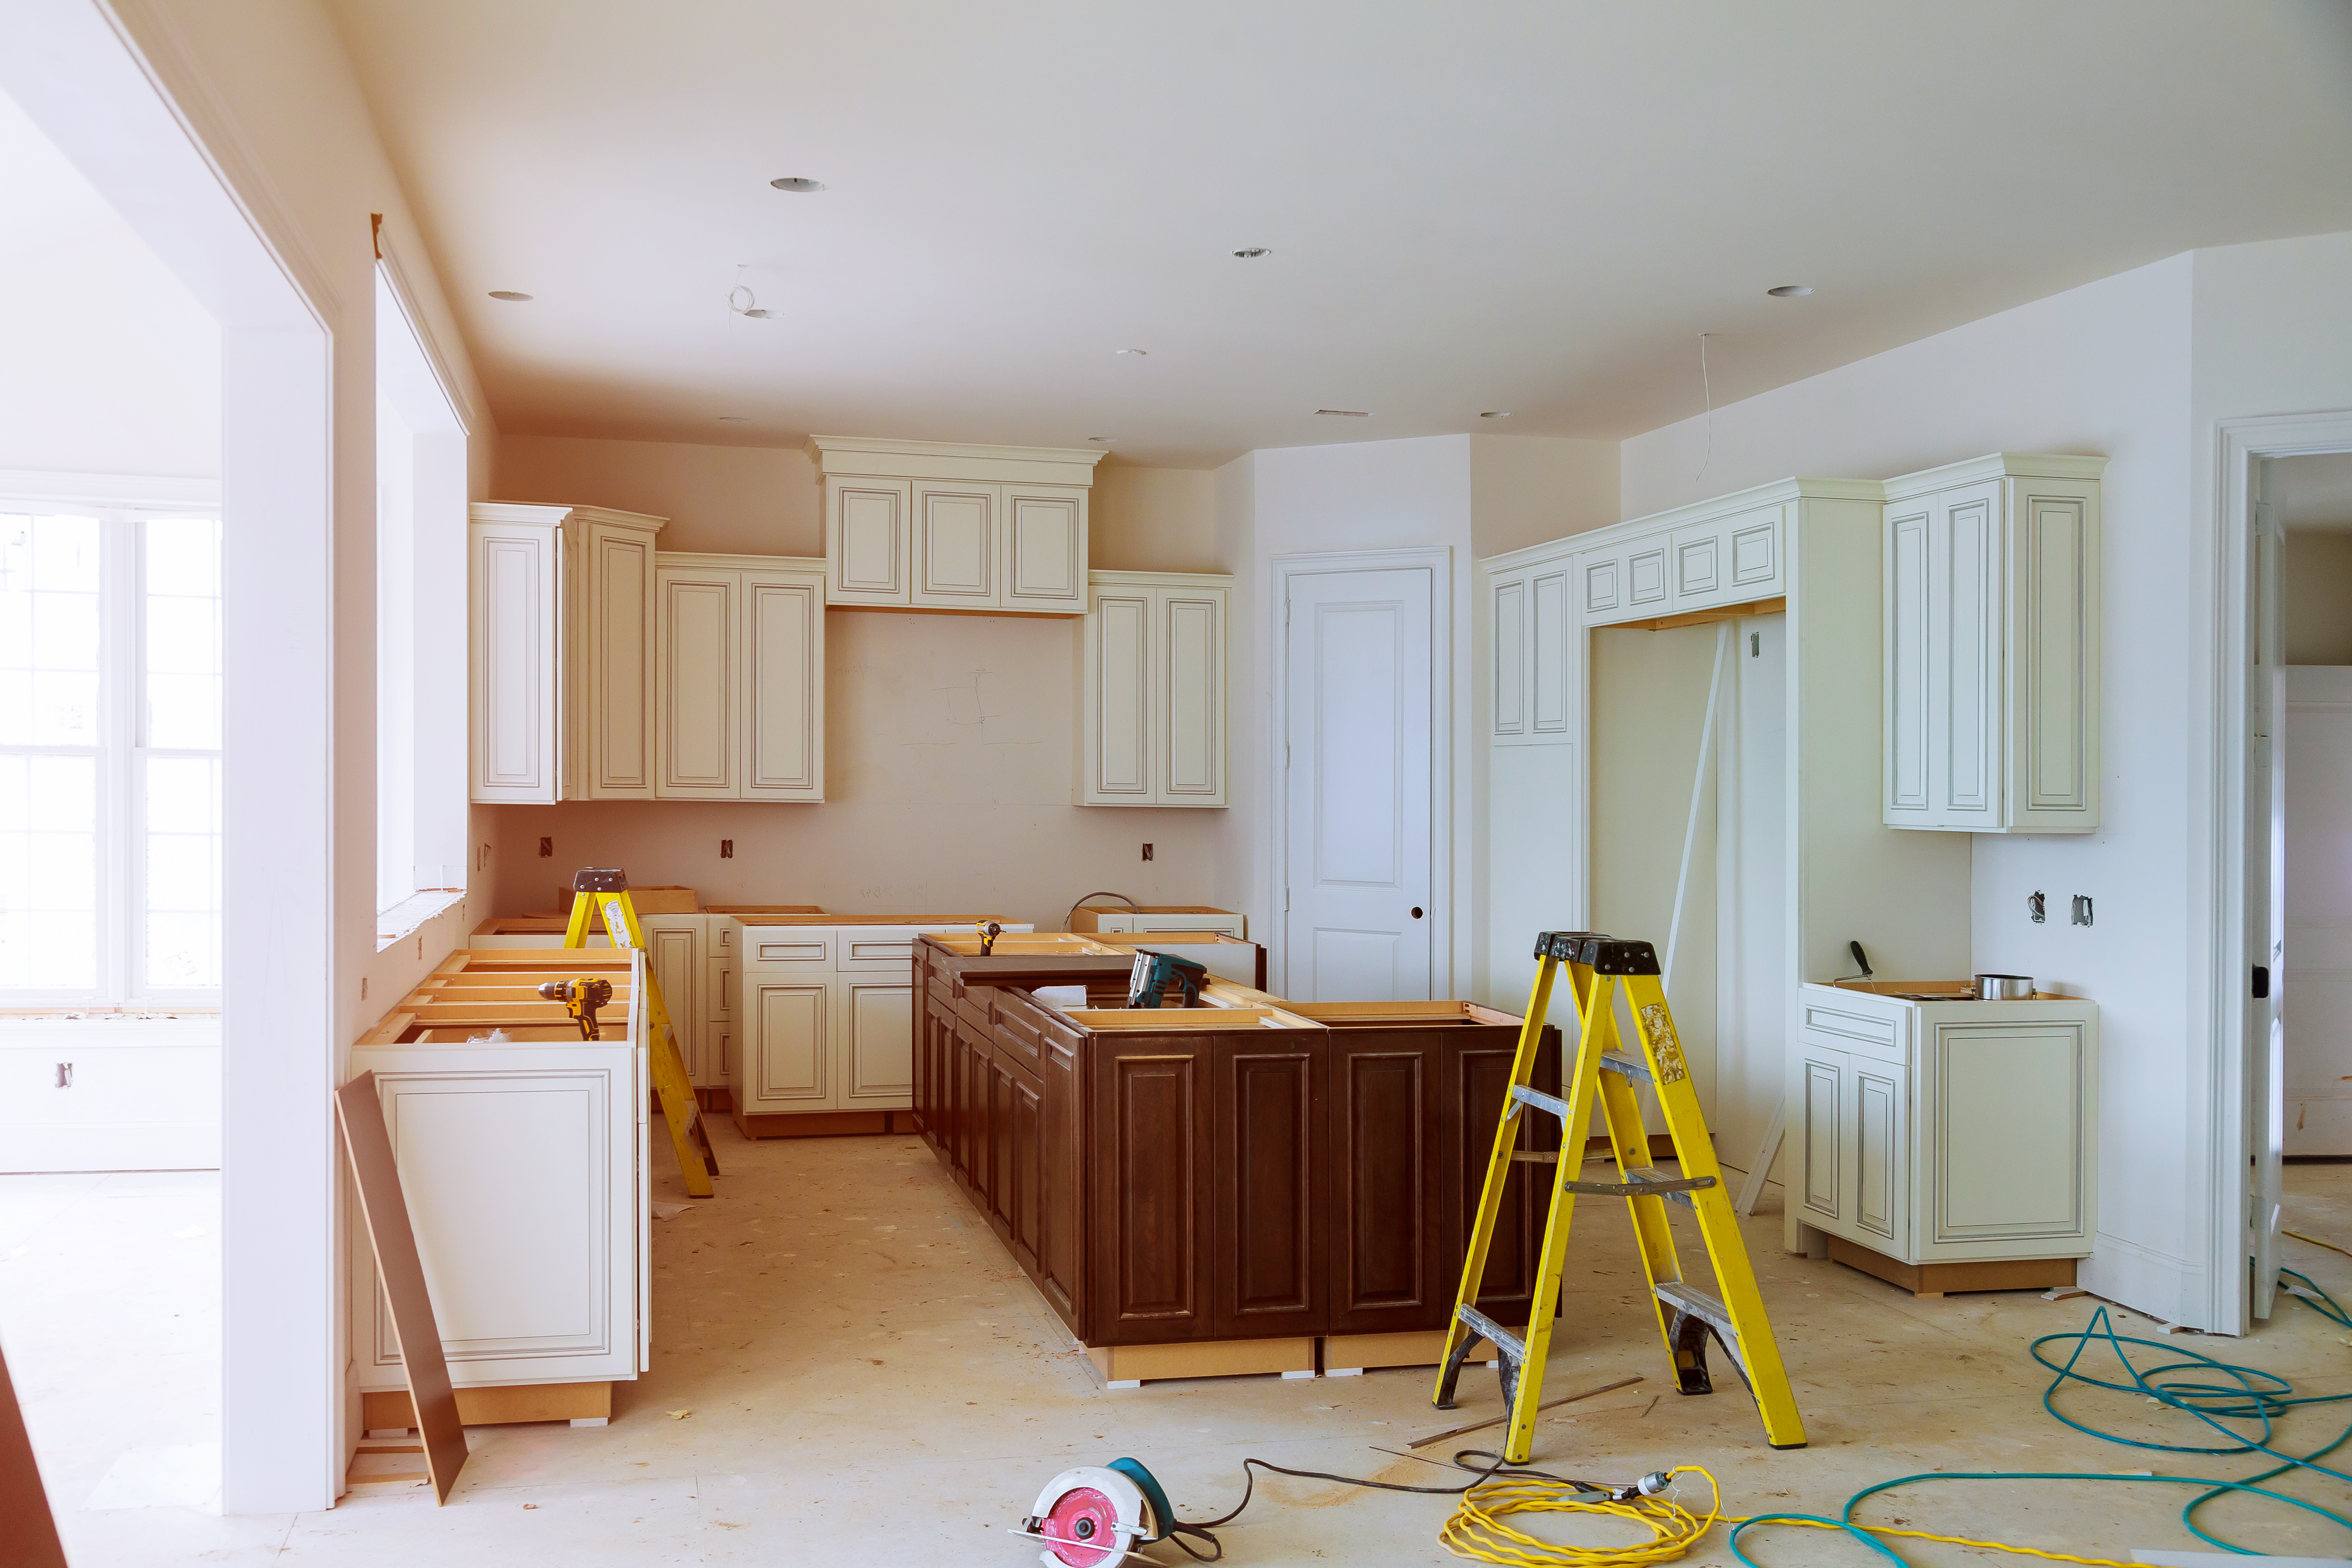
x,y
581,998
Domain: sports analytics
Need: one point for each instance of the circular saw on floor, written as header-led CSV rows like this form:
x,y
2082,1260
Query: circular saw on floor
x,y
1092,1516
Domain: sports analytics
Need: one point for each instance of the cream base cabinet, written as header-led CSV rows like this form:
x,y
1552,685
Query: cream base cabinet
x,y
561,644
824,1017
1946,1131
740,672
933,525
524,1171
1152,689
1990,621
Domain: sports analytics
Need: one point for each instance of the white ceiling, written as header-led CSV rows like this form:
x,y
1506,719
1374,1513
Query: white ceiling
x,y
1530,206
2313,493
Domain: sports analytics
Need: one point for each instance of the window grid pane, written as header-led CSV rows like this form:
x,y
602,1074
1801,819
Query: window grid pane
x,y
182,702
181,939
49,621
48,872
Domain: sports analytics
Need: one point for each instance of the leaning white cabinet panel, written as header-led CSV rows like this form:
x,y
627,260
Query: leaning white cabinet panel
x,y
521,1172
697,630
1990,625
512,631
1152,698
936,525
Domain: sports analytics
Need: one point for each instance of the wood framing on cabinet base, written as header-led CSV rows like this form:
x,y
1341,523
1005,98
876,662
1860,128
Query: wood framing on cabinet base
x,y
391,1410
1932,1280
1126,1366
1345,1355
822,1123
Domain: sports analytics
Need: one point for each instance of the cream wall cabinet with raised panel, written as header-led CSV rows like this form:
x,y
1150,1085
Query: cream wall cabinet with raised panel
x,y
1152,689
561,653
1991,618
932,525
740,705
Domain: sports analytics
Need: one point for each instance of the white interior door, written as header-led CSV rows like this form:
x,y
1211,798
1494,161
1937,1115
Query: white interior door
x,y
2265,894
2315,996
1752,889
1357,798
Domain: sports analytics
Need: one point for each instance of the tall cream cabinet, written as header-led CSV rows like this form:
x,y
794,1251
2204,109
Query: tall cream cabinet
x,y
933,525
1152,689
1946,1131
1991,662
561,626
739,677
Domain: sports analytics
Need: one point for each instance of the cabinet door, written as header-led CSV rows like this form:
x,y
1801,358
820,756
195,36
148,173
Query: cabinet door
x,y
514,663
1002,1184
1024,1153
955,545
1149,1175
1507,608
2011,1158
969,1074
1044,564
1903,630
1189,686
791,1045
865,541
1470,1107
615,656
673,950
1964,659
1821,1188
718,1018
2053,741
697,628
1385,1245
876,1022
783,682
1699,572
1752,553
1875,1160
1553,637
1271,1238
1061,1219
1600,577
1649,572
1117,694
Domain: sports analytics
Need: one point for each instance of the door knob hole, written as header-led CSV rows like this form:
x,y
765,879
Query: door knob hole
x,y
1416,912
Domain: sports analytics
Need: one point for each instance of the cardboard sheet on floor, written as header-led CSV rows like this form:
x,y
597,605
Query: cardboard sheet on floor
x,y
28,1530
369,1146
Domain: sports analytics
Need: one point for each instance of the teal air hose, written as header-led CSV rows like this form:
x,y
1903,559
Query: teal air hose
x,y
2248,1395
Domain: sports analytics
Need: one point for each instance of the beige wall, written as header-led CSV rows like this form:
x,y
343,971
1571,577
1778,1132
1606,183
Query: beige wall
x,y
2318,596
951,740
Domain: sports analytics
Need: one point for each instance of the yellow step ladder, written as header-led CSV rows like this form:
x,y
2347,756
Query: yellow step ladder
x,y
607,892
1597,965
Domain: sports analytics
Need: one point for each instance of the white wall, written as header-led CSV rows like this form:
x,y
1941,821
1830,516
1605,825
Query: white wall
x,y
2100,369
737,501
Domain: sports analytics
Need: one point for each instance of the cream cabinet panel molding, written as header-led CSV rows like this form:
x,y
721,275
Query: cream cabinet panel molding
x,y
561,657
935,525
1152,689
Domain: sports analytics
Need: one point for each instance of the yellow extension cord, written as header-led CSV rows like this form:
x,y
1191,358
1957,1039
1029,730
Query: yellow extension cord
x,y
1477,1531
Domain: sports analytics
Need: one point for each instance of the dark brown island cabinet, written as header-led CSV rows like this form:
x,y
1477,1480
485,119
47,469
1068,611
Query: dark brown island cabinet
x,y
1227,1188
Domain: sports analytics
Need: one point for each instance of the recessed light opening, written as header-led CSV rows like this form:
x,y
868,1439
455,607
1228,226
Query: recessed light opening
x,y
734,419
1102,440
509,294
1252,252
798,184
1346,413
1138,354
1495,414
1790,290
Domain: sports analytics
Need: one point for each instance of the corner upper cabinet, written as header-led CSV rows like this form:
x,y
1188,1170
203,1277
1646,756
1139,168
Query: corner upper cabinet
x,y
1533,634
560,634
1990,621
1152,689
928,525
740,664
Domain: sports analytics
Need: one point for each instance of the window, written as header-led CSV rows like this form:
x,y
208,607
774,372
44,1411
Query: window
x,y
110,755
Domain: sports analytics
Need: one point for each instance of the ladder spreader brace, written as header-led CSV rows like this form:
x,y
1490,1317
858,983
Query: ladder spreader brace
x,y
1687,1317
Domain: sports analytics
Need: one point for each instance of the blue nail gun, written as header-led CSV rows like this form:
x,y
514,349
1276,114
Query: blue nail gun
x,y
1154,973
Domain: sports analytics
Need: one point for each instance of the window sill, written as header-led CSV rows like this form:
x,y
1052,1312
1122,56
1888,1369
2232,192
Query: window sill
x,y
405,917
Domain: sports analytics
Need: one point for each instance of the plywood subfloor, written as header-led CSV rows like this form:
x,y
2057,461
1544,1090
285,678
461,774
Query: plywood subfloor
x,y
867,1378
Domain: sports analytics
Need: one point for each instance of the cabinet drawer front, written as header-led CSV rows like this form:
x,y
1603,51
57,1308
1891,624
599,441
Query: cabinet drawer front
x,y
875,948
1872,1033
1018,1038
801,947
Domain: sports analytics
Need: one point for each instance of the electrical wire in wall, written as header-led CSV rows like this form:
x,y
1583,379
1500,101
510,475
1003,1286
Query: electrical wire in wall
x,y
1089,1517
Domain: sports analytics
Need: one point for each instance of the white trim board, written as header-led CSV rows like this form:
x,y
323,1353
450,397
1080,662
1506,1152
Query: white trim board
x,y
2215,1294
160,490
1439,560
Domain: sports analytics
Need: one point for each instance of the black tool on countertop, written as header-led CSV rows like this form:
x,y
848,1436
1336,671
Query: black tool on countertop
x,y
1154,973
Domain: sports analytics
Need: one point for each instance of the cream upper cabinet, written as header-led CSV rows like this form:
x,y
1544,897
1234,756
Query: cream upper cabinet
x,y
935,526
562,653
1706,557
1152,689
1990,615
740,664
1532,629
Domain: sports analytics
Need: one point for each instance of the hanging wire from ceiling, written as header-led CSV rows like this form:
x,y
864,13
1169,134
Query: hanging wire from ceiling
x,y
1707,390
742,302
